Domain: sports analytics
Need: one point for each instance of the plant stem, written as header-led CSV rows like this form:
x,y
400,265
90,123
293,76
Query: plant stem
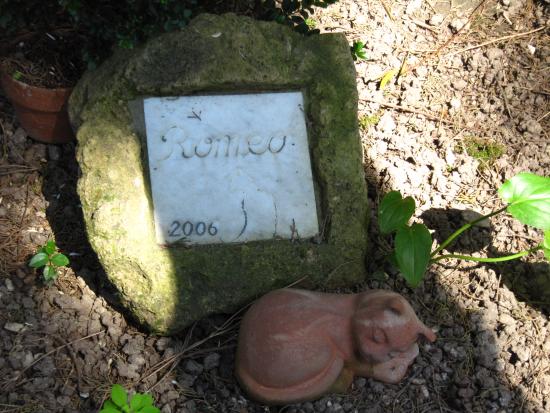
x,y
482,259
463,228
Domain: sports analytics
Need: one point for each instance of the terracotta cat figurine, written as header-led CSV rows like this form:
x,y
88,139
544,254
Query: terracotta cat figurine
x,y
296,345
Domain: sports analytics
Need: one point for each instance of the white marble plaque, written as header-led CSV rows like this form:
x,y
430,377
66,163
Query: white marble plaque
x,y
230,168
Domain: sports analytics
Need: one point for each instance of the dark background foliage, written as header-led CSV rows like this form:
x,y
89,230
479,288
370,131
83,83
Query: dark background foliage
x,y
104,24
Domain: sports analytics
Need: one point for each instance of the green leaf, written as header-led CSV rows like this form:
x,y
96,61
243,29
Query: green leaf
x,y
39,260
109,410
60,260
546,245
108,403
109,407
394,211
150,409
529,198
140,401
119,395
49,248
412,251
49,273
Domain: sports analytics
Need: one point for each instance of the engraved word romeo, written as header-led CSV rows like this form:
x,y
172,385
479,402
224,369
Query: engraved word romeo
x,y
225,146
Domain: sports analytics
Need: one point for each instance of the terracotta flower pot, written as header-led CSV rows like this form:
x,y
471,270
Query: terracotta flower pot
x,y
42,112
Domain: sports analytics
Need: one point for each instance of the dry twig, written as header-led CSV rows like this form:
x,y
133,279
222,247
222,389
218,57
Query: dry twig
x,y
500,39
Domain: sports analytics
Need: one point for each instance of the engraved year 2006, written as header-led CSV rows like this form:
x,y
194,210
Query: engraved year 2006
x,y
187,228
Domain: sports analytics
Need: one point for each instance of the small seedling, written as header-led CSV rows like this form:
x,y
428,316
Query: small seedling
x,y
366,121
528,198
17,75
118,403
358,50
311,23
51,259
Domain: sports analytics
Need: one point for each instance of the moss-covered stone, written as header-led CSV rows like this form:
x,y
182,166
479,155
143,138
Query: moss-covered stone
x,y
168,288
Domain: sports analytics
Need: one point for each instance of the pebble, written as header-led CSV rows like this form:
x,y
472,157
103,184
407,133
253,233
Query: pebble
x,y
458,24
211,361
459,84
436,19
455,103
494,53
193,367
14,327
54,152
19,137
9,285
386,123
523,353
421,71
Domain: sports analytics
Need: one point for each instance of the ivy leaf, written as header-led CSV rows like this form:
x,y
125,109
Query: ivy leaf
x,y
546,245
49,248
60,260
109,407
139,401
394,211
49,273
412,251
529,198
109,410
119,395
39,260
109,404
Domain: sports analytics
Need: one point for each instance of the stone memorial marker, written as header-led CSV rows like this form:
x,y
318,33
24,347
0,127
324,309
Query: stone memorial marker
x,y
219,163
230,168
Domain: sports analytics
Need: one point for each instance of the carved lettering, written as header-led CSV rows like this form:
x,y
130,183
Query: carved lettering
x,y
179,229
257,145
281,145
200,147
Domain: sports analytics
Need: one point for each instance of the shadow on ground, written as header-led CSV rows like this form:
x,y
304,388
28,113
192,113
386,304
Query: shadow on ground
x,y
64,214
530,281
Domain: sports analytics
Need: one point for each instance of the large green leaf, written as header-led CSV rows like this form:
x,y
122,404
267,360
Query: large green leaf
x,y
546,245
60,260
529,198
394,211
412,251
39,260
119,395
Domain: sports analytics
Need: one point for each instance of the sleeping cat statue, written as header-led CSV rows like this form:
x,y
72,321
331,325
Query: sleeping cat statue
x,y
296,345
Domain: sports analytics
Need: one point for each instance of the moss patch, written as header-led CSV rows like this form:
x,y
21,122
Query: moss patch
x,y
484,150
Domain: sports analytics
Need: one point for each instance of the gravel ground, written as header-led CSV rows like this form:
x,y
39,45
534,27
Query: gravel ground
x,y
62,346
